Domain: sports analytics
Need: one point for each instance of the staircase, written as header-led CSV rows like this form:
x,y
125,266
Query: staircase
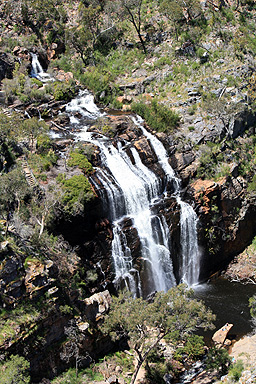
x,y
29,176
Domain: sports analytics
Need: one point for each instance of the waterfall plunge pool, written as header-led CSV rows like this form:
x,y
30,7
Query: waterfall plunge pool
x,y
229,301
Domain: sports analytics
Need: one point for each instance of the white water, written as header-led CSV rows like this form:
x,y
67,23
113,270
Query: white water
x,y
130,191
138,186
191,255
37,70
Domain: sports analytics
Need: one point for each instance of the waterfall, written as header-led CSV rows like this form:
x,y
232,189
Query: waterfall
x,y
191,255
129,191
37,70
135,189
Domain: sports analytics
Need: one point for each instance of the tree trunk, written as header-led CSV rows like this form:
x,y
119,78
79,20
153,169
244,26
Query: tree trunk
x,y
139,364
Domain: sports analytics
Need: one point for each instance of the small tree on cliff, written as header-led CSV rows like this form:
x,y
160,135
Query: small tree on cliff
x,y
174,314
130,10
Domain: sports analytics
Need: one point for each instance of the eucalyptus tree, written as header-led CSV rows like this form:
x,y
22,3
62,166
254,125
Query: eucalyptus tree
x,y
180,10
174,315
130,10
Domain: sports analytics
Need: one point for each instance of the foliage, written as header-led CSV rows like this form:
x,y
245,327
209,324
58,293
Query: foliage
x,y
32,128
42,162
194,347
155,374
64,90
15,371
176,10
174,314
84,37
77,191
212,162
23,316
130,10
252,305
14,190
219,359
79,159
43,144
236,369
157,116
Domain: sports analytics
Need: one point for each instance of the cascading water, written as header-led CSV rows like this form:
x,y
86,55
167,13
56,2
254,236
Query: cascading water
x,y
131,190
191,255
37,70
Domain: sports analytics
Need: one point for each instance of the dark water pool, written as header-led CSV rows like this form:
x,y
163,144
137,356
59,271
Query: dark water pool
x,y
230,303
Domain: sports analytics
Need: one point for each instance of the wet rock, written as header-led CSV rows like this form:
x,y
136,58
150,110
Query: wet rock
x,y
226,218
145,151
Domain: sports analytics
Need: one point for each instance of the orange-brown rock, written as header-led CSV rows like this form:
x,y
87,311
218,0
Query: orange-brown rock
x,y
64,76
37,277
125,99
220,336
203,191
144,149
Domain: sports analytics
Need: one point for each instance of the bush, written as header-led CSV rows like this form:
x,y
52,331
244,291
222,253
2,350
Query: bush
x,y
236,370
43,144
78,159
64,91
218,359
78,191
157,116
194,346
15,370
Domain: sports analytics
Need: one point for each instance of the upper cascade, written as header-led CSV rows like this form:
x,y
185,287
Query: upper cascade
x,y
37,70
129,191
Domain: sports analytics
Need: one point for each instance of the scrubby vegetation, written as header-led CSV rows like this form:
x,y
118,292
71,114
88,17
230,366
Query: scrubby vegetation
x,y
189,70
157,116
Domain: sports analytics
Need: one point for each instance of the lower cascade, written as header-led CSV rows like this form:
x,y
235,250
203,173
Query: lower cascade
x,y
130,192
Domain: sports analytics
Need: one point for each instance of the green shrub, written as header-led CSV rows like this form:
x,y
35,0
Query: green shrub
x,y
194,346
78,159
252,300
78,191
218,359
37,82
252,184
15,370
64,91
43,143
157,116
66,309
236,370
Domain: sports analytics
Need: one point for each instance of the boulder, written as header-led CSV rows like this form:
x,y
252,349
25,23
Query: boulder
x,y
240,122
220,336
97,305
